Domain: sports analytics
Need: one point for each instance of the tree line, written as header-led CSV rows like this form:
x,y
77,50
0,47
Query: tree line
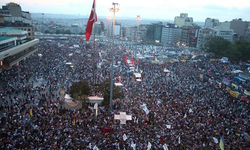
x,y
220,47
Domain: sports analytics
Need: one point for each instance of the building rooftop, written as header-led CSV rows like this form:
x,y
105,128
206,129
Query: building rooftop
x,y
12,31
5,39
2,38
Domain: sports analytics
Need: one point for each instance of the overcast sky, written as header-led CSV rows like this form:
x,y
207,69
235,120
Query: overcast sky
x,y
224,10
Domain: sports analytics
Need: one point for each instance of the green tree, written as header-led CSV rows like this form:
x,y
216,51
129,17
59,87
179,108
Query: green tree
x,y
244,48
67,32
81,33
217,45
58,31
104,88
232,53
80,90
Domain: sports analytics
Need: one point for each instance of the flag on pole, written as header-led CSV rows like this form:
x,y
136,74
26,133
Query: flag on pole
x,y
165,147
63,92
222,143
125,137
133,145
149,146
125,59
31,111
95,148
91,21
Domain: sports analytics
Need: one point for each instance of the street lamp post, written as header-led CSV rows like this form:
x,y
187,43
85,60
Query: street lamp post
x,y
112,63
43,26
137,18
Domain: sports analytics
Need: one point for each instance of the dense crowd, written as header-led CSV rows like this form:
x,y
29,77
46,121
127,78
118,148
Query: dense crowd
x,y
185,110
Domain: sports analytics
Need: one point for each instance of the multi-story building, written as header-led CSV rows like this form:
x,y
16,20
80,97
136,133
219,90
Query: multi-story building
x,y
247,35
211,23
224,25
14,46
12,15
183,20
142,32
203,36
117,32
171,34
131,33
227,34
240,28
76,29
154,32
189,36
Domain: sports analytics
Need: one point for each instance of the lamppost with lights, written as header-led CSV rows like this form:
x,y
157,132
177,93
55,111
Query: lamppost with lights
x,y
43,26
137,18
114,9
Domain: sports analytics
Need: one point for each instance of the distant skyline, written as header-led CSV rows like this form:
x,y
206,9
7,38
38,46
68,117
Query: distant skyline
x,y
157,9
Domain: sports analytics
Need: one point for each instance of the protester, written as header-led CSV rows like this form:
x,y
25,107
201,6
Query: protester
x,y
184,110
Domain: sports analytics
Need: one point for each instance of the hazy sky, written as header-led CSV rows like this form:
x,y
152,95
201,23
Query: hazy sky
x,y
224,10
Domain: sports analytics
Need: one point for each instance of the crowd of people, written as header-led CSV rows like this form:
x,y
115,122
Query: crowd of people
x,y
184,110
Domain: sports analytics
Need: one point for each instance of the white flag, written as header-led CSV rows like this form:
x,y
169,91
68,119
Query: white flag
x,y
95,148
215,140
124,137
149,146
168,126
144,107
185,116
133,145
165,147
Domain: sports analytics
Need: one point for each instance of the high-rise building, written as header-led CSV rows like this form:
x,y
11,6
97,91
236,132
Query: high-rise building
x,y
11,15
171,34
183,20
189,35
131,33
154,32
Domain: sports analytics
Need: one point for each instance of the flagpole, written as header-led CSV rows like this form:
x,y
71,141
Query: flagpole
x,y
91,21
93,53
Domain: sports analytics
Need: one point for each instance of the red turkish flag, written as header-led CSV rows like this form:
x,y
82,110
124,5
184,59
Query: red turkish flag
x,y
125,59
91,21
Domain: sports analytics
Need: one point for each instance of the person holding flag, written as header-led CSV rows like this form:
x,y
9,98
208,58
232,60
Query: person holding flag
x,y
222,142
91,21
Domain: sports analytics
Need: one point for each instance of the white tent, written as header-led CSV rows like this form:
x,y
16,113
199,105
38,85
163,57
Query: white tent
x,y
95,99
69,104
138,80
